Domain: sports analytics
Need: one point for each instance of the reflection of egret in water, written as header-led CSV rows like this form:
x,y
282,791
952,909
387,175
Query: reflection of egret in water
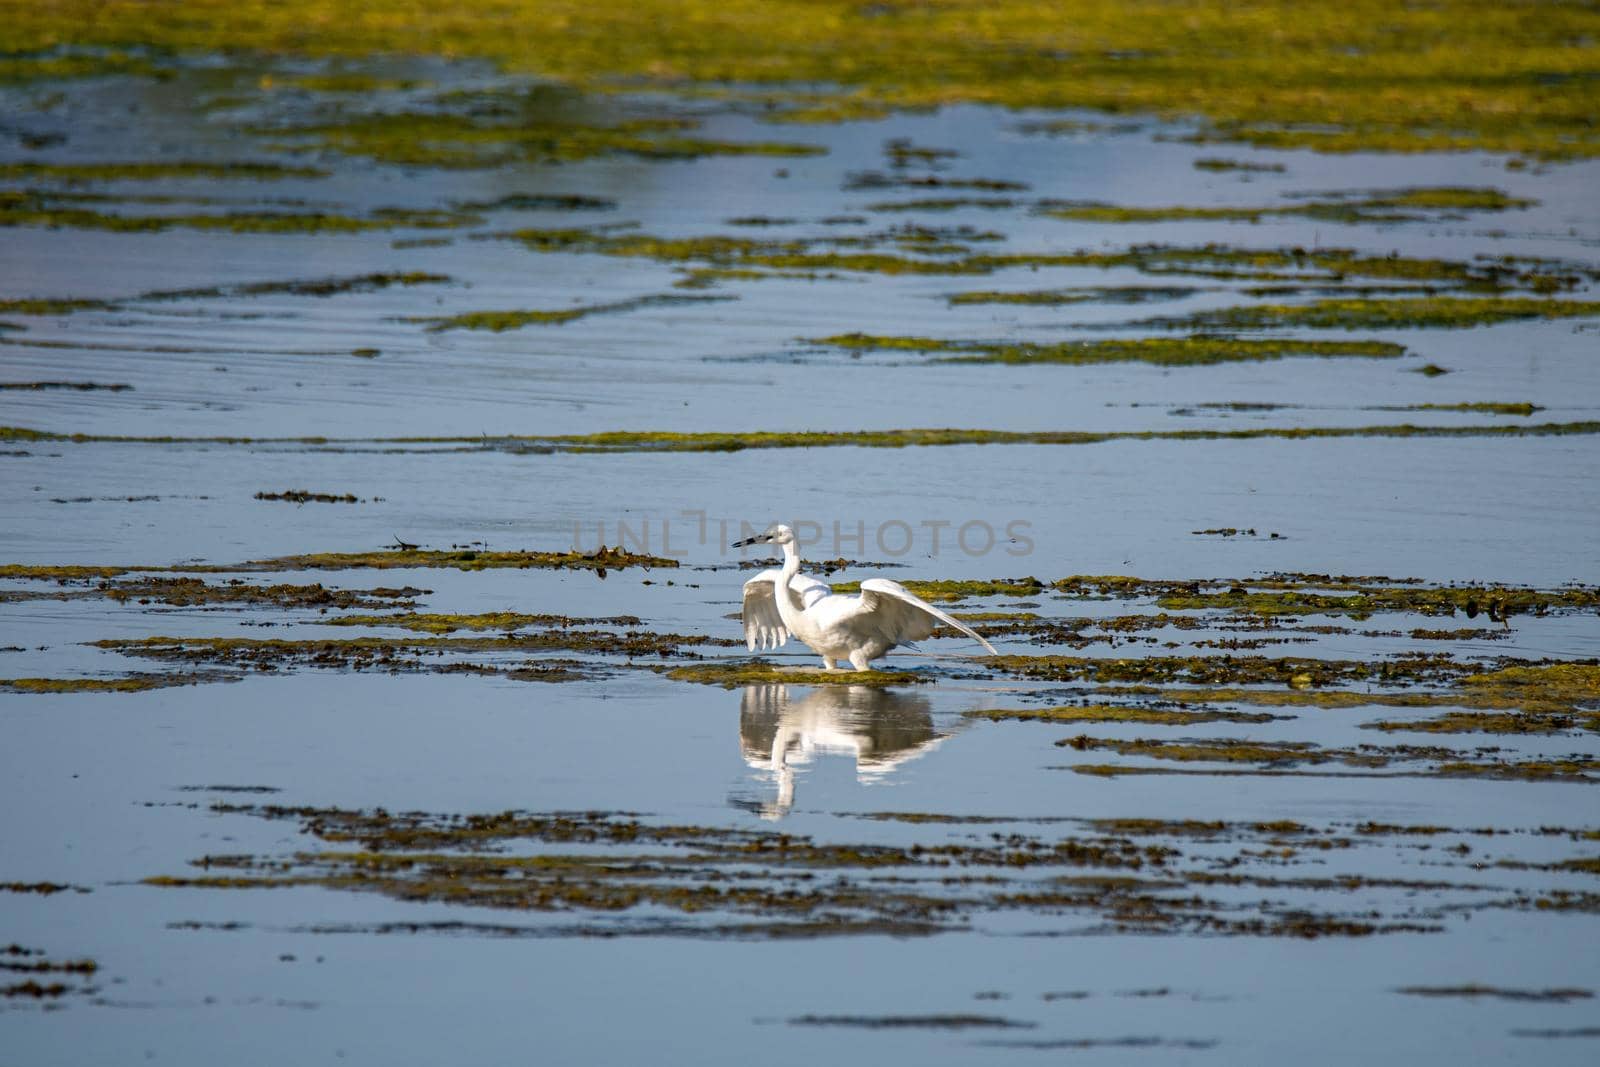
x,y
881,729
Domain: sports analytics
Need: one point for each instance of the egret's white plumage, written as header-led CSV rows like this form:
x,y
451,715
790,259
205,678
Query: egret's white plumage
x,y
783,603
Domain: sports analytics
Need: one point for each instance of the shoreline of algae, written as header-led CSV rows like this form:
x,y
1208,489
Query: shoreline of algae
x,y
1269,758
1554,698
1198,350
714,441
502,321
472,141
948,252
1126,875
1448,694
600,561
56,210
146,171
1414,204
337,285
134,683
1276,73
1427,312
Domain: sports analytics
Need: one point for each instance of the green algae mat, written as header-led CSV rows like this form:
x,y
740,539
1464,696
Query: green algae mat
x,y
1355,77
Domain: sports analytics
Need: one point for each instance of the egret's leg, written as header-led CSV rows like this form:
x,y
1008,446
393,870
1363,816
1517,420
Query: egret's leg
x,y
829,664
858,660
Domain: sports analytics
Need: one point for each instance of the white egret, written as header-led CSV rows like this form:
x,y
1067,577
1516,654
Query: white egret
x,y
782,602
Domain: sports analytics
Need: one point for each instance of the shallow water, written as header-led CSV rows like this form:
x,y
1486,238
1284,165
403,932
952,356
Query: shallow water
x,y
1328,882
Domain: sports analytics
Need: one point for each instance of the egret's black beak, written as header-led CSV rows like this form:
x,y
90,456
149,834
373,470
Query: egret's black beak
x,y
746,541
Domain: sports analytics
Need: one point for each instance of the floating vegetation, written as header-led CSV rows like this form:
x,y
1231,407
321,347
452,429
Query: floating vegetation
x,y
538,202
1116,713
61,210
54,572
903,152
317,287
1576,769
49,987
1300,672
946,203
50,307
311,287
1556,1033
506,621
146,171
1077,127
195,592
1214,163
1570,769
1549,708
721,442
1127,294
1440,312
136,683
876,180
914,1022
1420,204
1559,681
601,560
782,254
416,654
52,63
621,875
305,496
1517,721
763,672
710,277
44,889
1299,266
1557,690
500,321
1366,78
82,387
712,441
1476,407
1085,1043
1309,267
1269,753
1194,351
353,82
514,129
1360,601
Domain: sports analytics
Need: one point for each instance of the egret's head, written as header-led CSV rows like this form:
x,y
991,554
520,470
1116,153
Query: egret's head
x,y
776,534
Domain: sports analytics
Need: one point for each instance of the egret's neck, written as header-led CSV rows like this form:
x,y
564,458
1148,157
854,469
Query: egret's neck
x,y
791,567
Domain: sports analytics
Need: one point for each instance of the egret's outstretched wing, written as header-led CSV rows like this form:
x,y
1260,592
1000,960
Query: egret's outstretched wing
x,y
763,626
906,616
